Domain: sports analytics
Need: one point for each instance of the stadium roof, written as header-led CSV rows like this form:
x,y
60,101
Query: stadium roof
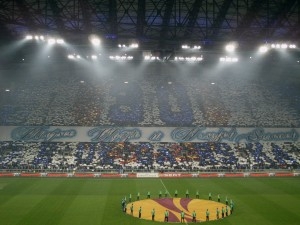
x,y
154,24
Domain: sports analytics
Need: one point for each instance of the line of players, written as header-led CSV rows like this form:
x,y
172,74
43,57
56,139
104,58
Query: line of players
x,y
224,212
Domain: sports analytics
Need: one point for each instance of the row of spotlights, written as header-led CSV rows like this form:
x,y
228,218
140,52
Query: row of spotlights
x,y
36,37
96,42
74,56
151,58
122,58
148,58
229,59
42,38
154,58
283,46
189,47
188,59
95,57
133,45
265,48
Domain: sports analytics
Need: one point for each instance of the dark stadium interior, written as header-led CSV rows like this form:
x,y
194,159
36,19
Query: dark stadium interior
x,y
41,86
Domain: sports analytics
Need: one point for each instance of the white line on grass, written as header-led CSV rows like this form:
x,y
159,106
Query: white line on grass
x,y
169,194
165,187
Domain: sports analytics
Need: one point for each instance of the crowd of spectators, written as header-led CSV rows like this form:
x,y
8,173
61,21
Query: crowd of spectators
x,y
161,100
92,157
63,98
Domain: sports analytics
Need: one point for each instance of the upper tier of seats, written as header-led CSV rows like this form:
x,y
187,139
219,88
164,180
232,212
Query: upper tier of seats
x,y
64,97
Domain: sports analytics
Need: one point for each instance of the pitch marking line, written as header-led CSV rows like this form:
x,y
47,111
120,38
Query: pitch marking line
x,y
169,194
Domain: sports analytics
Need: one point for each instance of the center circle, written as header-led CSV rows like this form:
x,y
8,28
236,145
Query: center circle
x,y
177,207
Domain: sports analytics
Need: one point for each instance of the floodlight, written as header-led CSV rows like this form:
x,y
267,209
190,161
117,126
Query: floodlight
x,y
95,41
263,49
60,41
71,57
29,37
284,46
230,47
185,46
51,41
134,45
94,57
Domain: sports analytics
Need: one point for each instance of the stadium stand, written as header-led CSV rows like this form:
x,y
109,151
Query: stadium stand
x,y
64,100
91,157
159,100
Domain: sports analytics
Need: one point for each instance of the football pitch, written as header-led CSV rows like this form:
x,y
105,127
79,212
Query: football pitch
x,y
85,201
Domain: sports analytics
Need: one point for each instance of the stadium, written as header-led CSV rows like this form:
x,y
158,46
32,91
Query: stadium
x,y
149,112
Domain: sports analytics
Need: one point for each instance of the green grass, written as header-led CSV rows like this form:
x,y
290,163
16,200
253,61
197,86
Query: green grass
x,y
74,201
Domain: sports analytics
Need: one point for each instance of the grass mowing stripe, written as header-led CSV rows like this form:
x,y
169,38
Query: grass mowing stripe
x,y
14,187
89,205
54,205
20,196
261,204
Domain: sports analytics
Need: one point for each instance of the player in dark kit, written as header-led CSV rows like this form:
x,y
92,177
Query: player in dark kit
x,y
140,212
